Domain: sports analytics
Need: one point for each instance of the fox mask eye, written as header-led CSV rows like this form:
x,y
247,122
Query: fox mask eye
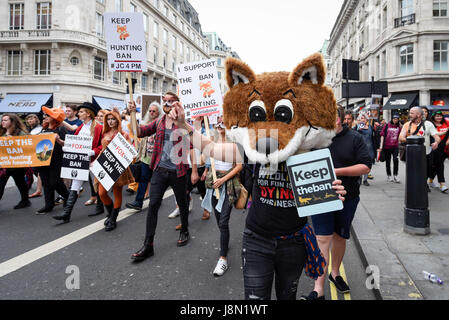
x,y
257,111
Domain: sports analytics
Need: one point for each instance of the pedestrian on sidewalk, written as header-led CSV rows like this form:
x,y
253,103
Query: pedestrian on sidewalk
x,y
11,126
86,113
170,166
228,186
111,127
438,155
389,144
423,128
51,175
349,120
145,153
367,132
351,159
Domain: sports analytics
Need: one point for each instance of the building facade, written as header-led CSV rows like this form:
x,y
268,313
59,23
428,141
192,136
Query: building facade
x,y
403,42
58,47
219,52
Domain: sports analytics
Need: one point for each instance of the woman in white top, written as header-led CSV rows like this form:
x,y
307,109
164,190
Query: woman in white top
x,y
35,127
226,178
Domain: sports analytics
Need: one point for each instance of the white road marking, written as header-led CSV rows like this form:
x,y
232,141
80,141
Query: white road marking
x,y
33,255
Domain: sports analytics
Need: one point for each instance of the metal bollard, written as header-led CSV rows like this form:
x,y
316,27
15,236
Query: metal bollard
x,y
416,211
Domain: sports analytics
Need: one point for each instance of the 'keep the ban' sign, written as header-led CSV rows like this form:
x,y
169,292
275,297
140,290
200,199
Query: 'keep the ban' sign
x,y
125,41
199,88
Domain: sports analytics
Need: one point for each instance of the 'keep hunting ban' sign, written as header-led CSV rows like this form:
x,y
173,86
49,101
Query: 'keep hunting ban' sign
x,y
125,38
199,89
312,174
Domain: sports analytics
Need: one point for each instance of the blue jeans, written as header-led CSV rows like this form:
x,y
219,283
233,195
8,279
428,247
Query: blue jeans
x,y
143,183
264,259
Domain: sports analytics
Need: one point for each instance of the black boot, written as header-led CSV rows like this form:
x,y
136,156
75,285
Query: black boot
x,y
65,215
112,223
99,208
146,251
109,209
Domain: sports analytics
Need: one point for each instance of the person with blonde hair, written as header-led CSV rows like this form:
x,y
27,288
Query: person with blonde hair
x,y
11,126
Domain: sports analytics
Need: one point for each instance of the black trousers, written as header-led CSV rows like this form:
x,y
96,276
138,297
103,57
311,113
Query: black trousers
x,y
18,174
160,181
437,168
389,153
201,185
51,182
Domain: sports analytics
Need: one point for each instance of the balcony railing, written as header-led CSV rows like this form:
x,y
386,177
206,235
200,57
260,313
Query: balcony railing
x,y
402,21
55,35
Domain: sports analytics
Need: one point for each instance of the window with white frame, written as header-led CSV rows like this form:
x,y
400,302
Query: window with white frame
x,y
156,3
166,11
173,64
406,7
164,59
43,15
99,24
440,56
174,19
99,68
145,22
156,30
14,63
181,49
132,7
144,82
384,64
384,18
16,12
156,88
174,43
117,78
118,5
440,8
165,37
406,58
42,60
155,55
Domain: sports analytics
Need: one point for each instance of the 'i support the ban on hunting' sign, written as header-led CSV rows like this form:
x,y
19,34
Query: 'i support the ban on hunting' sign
x,y
311,175
125,41
199,88
113,161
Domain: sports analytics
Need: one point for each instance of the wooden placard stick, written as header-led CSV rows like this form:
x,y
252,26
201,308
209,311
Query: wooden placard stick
x,y
133,113
212,162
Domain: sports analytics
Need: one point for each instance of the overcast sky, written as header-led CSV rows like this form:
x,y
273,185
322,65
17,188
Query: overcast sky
x,y
270,35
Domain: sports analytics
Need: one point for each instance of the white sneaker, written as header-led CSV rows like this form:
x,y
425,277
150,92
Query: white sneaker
x,y
222,266
390,179
396,179
434,184
443,188
174,214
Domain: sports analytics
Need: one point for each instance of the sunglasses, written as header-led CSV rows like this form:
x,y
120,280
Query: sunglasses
x,y
153,111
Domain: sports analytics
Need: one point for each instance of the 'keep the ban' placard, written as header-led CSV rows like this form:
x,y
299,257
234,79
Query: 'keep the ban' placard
x,y
75,160
311,175
125,41
113,161
199,88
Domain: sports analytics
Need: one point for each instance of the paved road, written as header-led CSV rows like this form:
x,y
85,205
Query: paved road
x,y
38,256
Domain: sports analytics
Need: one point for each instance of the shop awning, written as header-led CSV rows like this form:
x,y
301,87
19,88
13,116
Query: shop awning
x,y
402,101
25,102
108,104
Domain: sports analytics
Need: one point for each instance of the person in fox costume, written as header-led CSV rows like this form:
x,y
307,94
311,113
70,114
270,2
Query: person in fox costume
x,y
271,117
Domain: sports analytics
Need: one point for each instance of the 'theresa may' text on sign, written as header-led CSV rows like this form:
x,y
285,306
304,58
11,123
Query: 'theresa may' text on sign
x,y
113,161
75,160
311,175
125,39
199,88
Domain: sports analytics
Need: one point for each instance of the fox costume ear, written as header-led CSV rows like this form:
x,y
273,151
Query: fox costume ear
x,y
238,72
311,69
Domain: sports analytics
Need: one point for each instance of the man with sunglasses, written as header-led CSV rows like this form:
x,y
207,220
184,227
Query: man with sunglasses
x,y
170,166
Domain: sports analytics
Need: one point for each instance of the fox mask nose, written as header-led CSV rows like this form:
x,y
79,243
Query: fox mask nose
x,y
267,145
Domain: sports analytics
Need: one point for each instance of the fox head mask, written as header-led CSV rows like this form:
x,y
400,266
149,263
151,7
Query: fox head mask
x,y
278,114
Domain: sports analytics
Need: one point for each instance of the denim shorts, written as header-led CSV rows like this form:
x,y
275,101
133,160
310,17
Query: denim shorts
x,y
338,222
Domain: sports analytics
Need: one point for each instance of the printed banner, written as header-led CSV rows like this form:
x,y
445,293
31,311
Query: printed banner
x,y
26,151
75,161
125,38
311,175
113,161
199,88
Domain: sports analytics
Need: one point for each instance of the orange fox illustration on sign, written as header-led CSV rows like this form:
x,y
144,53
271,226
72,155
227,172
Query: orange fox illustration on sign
x,y
207,89
123,32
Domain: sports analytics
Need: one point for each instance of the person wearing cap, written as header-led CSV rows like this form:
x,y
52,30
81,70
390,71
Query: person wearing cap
x,y
51,175
439,155
389,143
86,113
